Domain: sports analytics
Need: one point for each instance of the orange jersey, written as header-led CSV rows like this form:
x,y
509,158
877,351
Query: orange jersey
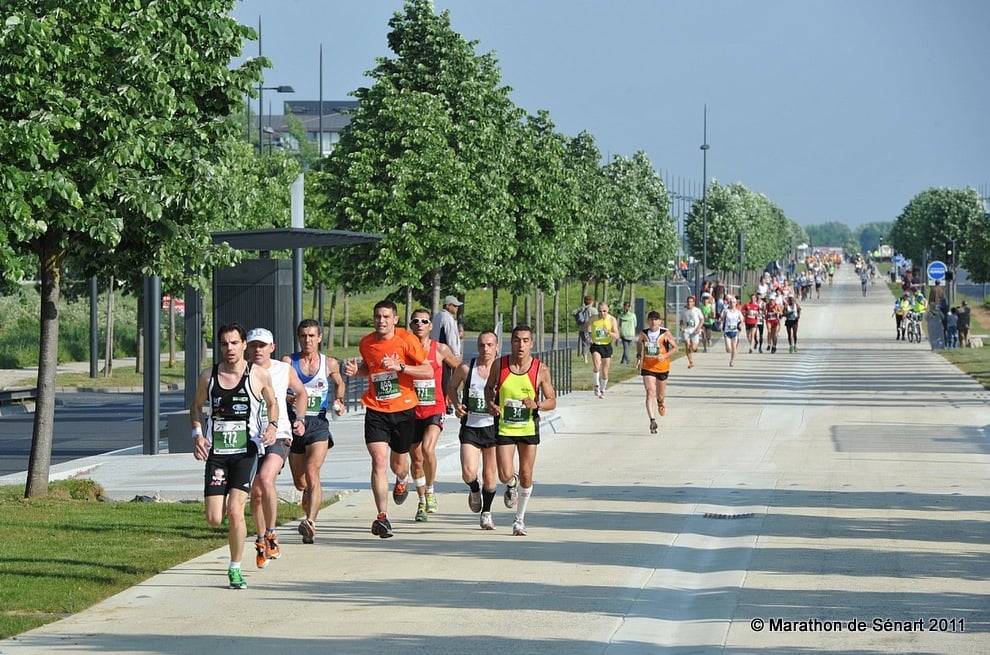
x,y
390,391
652,348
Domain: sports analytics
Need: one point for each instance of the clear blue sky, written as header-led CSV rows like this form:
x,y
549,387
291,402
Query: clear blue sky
x,y
834,109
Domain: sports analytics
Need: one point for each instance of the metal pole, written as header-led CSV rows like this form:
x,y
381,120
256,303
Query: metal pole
x,y
94,328
704,199
261,91
152,362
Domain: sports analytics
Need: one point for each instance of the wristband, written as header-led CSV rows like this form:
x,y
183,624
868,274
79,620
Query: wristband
x,y
273,423
197,432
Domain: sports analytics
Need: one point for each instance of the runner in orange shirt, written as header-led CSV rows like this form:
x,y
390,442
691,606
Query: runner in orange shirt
x,y
391,357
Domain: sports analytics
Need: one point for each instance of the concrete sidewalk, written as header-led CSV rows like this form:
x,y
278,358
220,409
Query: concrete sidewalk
x,y
793,503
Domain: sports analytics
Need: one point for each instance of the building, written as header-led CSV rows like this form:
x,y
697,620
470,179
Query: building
x,y
336,116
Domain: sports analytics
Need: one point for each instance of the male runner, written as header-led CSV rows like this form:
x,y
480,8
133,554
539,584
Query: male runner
x,y
478,432
232,392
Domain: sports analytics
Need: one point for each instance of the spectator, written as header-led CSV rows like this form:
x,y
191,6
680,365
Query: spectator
x,y
627,330
964,325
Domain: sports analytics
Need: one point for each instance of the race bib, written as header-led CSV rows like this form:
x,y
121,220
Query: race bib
x,y
652,349
314,400
386,385
476,403
229,437
426,391
514,413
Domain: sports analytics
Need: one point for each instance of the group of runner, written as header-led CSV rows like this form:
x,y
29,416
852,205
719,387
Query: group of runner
x,y
248,432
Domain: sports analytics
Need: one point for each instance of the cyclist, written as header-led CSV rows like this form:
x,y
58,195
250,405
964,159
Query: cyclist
x,y
901,307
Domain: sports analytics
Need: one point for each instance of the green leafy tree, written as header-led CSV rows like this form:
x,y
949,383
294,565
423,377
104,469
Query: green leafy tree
x,y
112,143
936,216
423,161
832,234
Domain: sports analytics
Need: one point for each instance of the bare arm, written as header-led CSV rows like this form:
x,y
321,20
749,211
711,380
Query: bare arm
x,y
453,389
333,373
263,379
298,402
545,384
201,447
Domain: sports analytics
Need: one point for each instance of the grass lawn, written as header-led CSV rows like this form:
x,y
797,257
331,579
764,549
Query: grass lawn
x,y
74,550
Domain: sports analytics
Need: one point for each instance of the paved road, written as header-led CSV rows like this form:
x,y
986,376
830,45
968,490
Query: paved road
x,y
86,424
785,502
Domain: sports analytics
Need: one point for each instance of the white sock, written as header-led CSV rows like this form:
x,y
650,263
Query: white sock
x,y
524,494
597,378
604,383
234,565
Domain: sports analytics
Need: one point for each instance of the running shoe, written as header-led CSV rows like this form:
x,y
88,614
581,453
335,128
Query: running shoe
x,y
381,527
421,514
235,579
518,528
431,503
272,550
653,426
511,493
663,409
400,492
307,530
486,521
598,392
260,558
474,501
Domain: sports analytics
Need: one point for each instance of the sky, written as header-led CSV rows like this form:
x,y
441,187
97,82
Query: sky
x,y
836,110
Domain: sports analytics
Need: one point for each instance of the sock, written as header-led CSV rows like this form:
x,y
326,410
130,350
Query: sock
x,y
234,565
487,496
524,495
604,384
422,499
597,378
429,489
475,486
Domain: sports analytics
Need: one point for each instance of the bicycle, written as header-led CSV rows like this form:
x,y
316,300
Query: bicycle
x,y
913,329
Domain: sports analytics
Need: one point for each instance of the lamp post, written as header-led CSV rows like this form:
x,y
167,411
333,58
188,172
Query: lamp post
x,y
285,88
704,200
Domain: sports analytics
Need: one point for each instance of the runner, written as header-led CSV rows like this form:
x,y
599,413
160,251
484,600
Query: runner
x,y
391,358
773,311
602,329
751,317
732,321
264,498
513,392
233,391
478,432
653,352
691,327
320,376
792,314
430,413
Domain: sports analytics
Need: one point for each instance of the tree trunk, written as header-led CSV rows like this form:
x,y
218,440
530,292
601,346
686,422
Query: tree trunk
x,y
332,323
345,337
39,463
108,351
409,305
556,315
436,291
496,322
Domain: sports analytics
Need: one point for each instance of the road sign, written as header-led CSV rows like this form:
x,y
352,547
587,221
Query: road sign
x,y
936,270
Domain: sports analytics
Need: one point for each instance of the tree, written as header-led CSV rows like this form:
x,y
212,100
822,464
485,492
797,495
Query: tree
x,y
113,143
938,215
423,161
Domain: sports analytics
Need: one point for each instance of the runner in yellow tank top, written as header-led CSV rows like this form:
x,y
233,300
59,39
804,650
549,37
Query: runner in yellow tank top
x,y
602,330
513,393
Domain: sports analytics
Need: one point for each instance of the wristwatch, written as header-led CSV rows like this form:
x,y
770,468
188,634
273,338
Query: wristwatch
x,y
402,368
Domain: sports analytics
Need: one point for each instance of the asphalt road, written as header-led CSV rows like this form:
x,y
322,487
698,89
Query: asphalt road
x,y
86,424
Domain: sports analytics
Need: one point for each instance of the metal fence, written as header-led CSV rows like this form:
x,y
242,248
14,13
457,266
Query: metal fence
x,y
559,361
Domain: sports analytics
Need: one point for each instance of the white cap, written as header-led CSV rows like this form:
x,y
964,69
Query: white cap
x,y
452,300
260,334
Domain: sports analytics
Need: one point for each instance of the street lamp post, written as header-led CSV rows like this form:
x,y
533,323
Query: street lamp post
x,y
704,200
285,88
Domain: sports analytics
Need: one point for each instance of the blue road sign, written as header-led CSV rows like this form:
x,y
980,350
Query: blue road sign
x,y
936,270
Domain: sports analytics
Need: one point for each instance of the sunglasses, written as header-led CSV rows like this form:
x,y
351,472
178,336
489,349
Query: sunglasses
x,y
419,321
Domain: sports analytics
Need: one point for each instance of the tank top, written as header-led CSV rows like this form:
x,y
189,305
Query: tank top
x,y
651,352
600,331
514,419
280,384
317,385
430,390
234,415
477,415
